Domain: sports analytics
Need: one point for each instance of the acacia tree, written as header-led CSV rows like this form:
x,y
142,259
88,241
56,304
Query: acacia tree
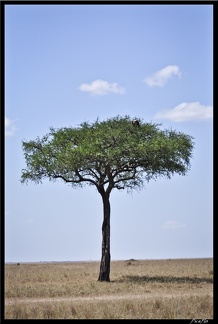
x,y
111,154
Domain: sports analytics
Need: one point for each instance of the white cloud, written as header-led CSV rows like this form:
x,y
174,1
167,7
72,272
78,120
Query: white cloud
x,y
9,127
101,88
187,111
160,78
173,225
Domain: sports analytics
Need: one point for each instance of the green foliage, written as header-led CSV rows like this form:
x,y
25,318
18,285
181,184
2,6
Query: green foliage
x,y
107,154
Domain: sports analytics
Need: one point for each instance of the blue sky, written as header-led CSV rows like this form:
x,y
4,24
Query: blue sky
x,y
66,64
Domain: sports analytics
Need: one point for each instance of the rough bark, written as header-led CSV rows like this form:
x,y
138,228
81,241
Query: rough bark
x,y
104,274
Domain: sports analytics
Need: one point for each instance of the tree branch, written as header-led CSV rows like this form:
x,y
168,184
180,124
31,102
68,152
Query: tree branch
x,y
82,179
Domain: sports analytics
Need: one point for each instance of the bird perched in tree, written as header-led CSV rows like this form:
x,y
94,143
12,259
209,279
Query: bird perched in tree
x,y
135,123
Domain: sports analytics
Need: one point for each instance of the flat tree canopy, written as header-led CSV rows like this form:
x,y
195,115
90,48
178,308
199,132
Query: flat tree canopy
x,y
113,154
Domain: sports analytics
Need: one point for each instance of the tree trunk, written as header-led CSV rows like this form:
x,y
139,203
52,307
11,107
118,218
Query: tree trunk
x,y
104,274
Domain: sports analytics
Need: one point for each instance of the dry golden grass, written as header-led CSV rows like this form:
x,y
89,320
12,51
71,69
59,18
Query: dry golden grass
x,y
181,288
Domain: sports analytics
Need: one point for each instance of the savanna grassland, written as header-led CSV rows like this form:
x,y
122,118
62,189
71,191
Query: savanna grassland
x,y
139,289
